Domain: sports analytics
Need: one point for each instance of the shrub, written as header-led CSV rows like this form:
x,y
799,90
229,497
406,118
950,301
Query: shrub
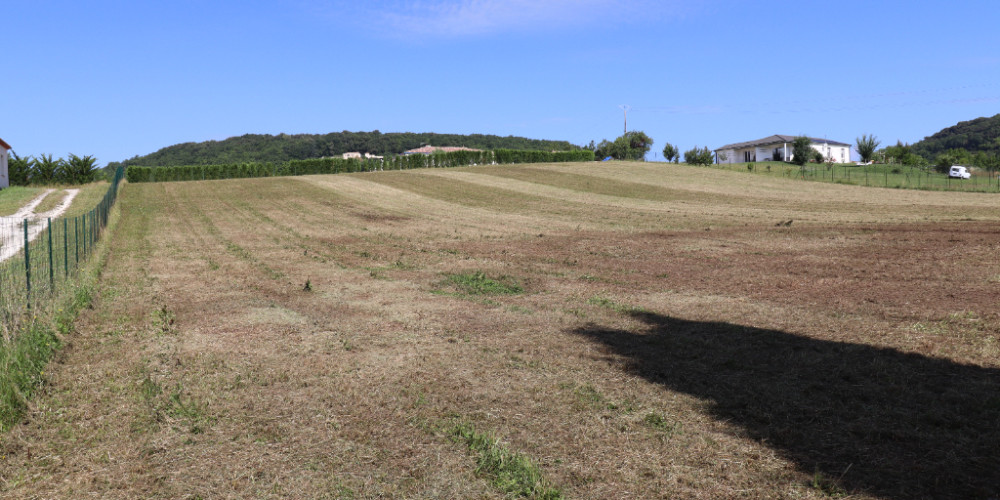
x,y
698,156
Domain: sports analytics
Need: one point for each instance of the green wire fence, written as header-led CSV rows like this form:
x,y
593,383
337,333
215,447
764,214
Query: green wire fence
x,y
38,256
879,175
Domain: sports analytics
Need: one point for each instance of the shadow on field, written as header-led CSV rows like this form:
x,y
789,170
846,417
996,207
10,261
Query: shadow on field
x,y
867,419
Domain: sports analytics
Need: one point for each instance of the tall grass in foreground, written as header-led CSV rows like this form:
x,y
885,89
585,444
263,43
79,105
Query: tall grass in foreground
x,y
23,356
27,345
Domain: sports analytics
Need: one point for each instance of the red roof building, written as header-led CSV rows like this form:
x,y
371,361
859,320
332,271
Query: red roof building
x,y
426,150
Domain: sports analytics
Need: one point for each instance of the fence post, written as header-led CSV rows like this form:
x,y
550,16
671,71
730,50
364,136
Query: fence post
x,y
65,248
76,240
52,274
27,263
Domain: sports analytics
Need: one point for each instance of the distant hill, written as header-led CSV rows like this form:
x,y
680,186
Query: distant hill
x,y
284,147
975,136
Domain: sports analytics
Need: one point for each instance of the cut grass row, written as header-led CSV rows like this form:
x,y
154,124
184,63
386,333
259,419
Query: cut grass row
x,y
620,361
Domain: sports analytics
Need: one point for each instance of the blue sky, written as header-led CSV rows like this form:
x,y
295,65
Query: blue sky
x,y
115,79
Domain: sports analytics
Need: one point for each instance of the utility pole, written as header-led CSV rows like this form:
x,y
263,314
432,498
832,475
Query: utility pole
x,y
625,108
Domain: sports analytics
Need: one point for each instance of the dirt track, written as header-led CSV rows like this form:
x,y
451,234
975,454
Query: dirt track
x,y
12,244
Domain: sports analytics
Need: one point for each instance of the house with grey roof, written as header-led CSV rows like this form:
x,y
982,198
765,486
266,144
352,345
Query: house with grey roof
x,y
4,174
779,148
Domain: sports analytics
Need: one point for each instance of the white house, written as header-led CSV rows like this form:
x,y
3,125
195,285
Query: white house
x,y
779,148
4,176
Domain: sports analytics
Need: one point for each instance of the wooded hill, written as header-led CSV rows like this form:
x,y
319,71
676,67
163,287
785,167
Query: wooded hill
x,y
284,147
981,135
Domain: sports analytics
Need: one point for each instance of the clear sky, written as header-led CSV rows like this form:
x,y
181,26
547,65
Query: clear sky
x,y
115,79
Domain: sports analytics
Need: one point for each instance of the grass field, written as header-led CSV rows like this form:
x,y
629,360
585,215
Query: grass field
x,y
624,330
12,199
878,175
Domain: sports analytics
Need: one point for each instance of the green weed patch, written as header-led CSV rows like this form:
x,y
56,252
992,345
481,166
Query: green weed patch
x,y
508,471
477,283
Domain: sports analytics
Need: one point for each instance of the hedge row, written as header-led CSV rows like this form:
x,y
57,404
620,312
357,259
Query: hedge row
x,y
516,156
338,165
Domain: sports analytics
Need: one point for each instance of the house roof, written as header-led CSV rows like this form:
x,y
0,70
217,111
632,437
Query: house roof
x,y
4,145
777,139
433,149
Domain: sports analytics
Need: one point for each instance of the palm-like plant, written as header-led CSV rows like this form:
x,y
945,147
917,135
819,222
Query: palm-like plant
x,y
79,170
45,169
19,169
866,145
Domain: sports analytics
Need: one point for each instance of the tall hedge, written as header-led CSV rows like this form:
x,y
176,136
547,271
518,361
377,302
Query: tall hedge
x,y
338,165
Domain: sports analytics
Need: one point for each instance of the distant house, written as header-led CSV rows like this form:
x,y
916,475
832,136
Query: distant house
x,y
426,150
4,175
779,148
348,156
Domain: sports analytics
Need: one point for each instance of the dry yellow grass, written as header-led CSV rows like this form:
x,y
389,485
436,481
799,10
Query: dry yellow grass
x,y
670,339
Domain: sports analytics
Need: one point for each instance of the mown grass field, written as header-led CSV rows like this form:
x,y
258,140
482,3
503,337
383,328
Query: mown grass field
x,y
623,330
878,175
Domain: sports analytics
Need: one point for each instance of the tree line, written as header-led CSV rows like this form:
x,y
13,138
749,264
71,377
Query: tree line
x,y
981,135
45,170
284,147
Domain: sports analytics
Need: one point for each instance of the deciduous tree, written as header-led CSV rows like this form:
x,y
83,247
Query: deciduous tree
x,y
802,152
698,156
670,153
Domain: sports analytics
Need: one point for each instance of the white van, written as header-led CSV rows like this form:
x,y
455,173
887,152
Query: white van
x,y
958,172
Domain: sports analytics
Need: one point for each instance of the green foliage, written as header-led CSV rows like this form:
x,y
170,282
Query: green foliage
x,y
19,169
802,152
974,136
46,170
698,156
313,166
866,146
282,148
513,156
670,153
987,161
897,153
477,283
943,161
629,146
22,361
79,170
509,472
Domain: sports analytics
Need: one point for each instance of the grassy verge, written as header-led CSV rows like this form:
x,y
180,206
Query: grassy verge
x,y
87,199
25,353
510,472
